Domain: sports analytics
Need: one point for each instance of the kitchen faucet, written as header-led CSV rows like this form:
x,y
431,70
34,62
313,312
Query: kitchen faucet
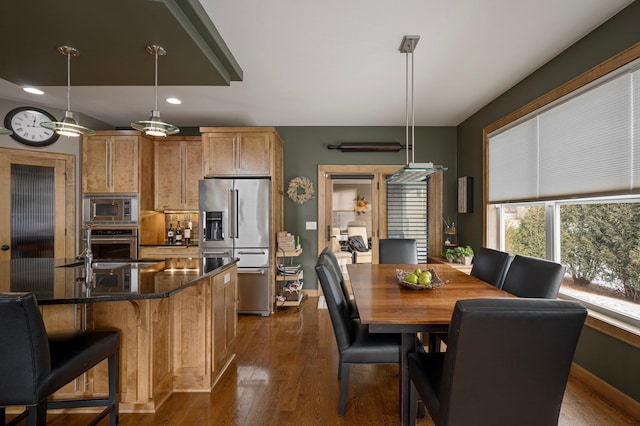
x,y
87,255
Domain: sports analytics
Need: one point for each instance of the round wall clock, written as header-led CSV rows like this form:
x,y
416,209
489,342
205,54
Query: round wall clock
x,y
25,123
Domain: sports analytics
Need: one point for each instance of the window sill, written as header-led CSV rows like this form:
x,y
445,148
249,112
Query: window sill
x,y
613,327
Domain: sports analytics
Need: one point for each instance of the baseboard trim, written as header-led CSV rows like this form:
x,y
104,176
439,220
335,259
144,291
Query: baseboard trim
x,y
617,398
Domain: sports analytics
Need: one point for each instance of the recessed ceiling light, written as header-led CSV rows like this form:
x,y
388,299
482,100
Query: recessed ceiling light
x,y
33,90
174,101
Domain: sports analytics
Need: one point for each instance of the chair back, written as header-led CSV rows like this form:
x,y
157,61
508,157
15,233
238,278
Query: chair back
x,y
533,277
336,302
24,358
353,230
508,360
491,266
335,266
398,250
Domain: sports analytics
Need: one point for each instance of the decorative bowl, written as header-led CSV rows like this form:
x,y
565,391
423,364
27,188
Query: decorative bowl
x,y
436,281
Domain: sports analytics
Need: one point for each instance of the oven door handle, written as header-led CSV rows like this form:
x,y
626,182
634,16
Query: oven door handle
x,y
95,239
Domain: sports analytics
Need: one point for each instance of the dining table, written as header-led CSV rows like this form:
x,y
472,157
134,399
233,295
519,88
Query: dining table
x,y
387,306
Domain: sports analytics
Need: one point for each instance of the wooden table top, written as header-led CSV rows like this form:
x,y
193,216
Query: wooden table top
x,y
383,302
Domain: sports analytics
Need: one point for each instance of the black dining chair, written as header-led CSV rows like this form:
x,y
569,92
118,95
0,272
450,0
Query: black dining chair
x,y
533,277
398,250
34,365
491,266
355,344
507,363
333,263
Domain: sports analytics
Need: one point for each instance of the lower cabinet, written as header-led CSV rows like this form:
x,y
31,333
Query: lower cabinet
x,y
225,319
164,252
183,342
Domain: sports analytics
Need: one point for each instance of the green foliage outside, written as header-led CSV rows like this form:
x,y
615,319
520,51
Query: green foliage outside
x,y
598,242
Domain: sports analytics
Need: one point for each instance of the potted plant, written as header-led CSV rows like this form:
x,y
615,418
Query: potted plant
x,y
464,254
450,255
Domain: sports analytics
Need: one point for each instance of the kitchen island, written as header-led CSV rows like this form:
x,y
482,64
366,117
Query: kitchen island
x,y
177,320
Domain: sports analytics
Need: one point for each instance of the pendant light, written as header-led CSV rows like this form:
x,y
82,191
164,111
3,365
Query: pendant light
x,y
154,126
68,126
412,172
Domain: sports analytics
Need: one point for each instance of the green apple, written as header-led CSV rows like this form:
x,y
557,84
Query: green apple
x,y
418,271
411,278
426,275
424,278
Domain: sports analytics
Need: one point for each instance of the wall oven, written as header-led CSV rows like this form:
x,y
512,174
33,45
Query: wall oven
x,y
116,243
120,209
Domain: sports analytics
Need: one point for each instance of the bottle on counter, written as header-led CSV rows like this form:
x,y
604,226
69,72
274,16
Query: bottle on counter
x,y
187,233
170,234
179,234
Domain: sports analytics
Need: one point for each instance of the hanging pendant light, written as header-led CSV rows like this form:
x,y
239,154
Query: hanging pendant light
x,y
68,126
154,126
412,172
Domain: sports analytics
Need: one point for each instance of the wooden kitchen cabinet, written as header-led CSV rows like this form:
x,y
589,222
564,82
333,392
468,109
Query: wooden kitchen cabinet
x,y
239,151
178,167
165,251
225,317
110,163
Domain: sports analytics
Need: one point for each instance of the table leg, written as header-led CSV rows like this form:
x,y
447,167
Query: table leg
x,y
408,345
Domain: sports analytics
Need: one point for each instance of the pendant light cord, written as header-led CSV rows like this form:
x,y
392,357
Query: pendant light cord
x,y
68,81
413,115
156,82
406,106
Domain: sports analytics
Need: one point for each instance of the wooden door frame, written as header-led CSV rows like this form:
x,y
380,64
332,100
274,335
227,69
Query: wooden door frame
x,y
379,228
36,158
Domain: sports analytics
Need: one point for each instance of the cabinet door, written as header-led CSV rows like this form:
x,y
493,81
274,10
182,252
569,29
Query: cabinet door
x,y
124,164
95,160
253,154
225,317
192,173
218,151
110,164
168,166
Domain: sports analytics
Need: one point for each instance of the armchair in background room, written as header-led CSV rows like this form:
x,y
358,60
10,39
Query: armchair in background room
x,y
360,230
344,257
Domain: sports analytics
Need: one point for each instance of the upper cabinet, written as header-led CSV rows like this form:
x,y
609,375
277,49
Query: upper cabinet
x,y
239,151
178,167
110,163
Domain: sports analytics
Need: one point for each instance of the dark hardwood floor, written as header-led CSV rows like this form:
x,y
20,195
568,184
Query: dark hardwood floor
x,y
285,373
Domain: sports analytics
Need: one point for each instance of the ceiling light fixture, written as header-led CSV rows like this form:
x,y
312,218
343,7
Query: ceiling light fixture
x,y
154,126
412,172
68,126
173,101
33,90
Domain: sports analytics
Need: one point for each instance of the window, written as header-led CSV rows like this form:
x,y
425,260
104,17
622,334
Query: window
x,y
563,183
598,240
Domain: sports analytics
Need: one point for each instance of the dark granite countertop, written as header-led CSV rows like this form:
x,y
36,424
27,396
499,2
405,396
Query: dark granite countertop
x,y
166,244
60,281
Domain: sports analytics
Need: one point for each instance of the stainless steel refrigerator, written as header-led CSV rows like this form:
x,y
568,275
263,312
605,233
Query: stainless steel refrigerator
x,y
234,216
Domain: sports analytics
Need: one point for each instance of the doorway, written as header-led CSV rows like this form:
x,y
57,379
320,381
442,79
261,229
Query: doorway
x,y
339,188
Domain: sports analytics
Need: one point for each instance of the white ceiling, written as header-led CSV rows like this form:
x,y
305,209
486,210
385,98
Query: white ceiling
x,y
336,62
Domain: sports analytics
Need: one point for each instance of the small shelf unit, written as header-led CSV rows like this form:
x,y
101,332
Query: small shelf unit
x,y
283,279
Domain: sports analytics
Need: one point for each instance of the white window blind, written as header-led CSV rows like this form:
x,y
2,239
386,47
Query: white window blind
x,y
585,144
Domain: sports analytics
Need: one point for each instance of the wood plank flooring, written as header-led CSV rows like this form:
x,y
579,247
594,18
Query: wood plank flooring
x,y
285,373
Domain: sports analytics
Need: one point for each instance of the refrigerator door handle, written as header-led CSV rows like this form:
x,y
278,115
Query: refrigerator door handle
x,y
237,210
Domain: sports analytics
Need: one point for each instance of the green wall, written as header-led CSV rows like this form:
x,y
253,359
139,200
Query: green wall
x,y
306,147
613,361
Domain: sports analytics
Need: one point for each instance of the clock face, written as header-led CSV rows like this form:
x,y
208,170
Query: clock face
x,y
25,123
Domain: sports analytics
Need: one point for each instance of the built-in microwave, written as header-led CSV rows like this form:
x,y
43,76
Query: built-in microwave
x,y
101,209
